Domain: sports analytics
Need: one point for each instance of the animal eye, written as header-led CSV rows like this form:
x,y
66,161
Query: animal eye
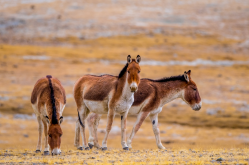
x,y
128,71
50,135
139,71
194,89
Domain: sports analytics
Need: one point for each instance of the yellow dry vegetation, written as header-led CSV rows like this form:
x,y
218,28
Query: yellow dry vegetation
x,y
172,156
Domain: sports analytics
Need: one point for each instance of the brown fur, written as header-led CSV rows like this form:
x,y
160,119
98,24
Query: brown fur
x,y
109,88
41,95
157,90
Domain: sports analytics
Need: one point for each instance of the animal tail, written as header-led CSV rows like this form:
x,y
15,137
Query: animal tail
x,y
80,120
54,117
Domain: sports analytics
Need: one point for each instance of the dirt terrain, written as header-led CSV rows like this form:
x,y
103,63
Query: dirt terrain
x,y
68,39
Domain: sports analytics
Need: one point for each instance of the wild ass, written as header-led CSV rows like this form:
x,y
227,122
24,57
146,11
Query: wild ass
x,y
106,94
48,100
151,96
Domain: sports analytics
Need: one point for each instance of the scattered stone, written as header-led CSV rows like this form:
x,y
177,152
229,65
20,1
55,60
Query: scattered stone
x,y
220,159
26,135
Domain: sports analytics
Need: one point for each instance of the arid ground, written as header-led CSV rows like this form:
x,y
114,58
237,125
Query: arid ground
x,y
70,39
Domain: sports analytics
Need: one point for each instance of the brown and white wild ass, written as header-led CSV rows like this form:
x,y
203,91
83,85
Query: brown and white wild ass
x,y
106,94
151,96
48,100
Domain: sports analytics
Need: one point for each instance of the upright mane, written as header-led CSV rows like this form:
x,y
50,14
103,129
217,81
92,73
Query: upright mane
x,y
123,71
166,79
54,118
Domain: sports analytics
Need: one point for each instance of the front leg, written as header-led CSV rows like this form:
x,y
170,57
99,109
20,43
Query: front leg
x,y
154,122
40,129
46,149
140,119
123,130
110,118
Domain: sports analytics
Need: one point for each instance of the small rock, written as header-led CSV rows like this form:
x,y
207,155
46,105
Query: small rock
x,y
220,159
26,135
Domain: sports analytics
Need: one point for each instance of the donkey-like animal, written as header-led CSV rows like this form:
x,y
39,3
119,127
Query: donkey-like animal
x,y
151,96
106,94
48,100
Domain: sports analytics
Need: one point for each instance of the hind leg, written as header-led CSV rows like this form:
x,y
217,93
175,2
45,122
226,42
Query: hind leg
x,y
140,119
154,122
40,129
83,113
77,134
93,122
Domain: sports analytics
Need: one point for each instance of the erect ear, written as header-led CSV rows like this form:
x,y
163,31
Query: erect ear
x,y
61,119
186,76
138,59
189,72
129,59
47,119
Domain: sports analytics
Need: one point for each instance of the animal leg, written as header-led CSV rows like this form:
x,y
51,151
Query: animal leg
x,y
110,118
123,130
83,113
46,149
92,122
140,119
154,122
40,129
77,134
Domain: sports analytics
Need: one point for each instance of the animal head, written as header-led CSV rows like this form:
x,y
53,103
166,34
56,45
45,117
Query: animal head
x,y
54,138
191,94
54,134
133,71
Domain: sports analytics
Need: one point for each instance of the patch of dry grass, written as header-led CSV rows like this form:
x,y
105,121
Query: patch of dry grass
x,y
175,156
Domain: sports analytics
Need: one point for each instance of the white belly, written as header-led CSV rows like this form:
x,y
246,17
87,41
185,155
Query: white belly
x,y
134,110
99,107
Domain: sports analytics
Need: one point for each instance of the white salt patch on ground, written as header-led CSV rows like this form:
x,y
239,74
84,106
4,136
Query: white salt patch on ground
x,y
196,62
30,57
24,116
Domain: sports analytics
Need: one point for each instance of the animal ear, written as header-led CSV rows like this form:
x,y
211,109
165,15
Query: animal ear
x,y
186,76
129,59
138,59
189,72
47,119
61,119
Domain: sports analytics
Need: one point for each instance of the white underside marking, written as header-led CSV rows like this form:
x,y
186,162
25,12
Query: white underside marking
x,y
134,110
99,107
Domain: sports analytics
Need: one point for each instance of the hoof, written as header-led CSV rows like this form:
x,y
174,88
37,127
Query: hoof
x,y
90,145
80,148
87,148
38,151
104,148
126,148
46,153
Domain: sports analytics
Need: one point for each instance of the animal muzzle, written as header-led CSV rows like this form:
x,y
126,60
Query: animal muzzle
x,y
197,107
56,151
133,87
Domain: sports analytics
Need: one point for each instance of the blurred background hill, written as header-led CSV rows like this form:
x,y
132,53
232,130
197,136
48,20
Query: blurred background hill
x,y
68,39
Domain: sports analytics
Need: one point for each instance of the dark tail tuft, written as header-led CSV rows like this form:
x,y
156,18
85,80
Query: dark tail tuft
x,y
80,120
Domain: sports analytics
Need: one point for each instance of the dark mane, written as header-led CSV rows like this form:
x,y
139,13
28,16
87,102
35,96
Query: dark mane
x,y
123,71
54,118
166,79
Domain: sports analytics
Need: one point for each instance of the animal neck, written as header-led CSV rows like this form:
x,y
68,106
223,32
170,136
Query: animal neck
x,y
123,88
171,90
